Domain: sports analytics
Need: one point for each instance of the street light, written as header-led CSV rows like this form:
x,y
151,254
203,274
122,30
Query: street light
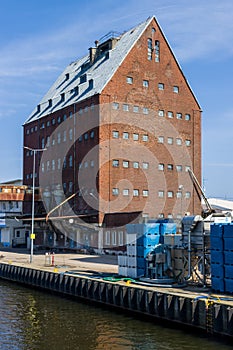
x,y
32,236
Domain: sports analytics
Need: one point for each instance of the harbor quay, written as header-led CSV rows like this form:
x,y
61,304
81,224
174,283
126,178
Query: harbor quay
x,y
95,278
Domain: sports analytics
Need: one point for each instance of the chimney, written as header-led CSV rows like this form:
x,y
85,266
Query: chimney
x,y
92,51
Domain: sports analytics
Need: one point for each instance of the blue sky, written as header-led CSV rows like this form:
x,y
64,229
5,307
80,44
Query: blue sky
x,y
38,39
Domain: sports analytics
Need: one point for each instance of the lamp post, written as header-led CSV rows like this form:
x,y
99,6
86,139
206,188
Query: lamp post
x,y
32,236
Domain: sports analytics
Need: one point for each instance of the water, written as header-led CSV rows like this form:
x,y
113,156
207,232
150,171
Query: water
x,y
35,320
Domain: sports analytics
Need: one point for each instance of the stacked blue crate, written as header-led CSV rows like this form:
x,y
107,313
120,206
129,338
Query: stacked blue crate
x,y
217,257
228,257
167,228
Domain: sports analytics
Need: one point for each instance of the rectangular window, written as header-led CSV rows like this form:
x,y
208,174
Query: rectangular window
x,y
125,107
178,141
115,163
53,164
70,161
120,236
145,193
125,192
187,117
179,168
92,134
115,134
115,191
161,166
145,83
145,165
86,136
157,51
160,139
170,140
59,138
114,237
178,194
179,115
48,165
176,89
161,113
160,86
170,167
71,134
149,49
59,163
92,163
129,80
160,194
64,135
187,195
135,165
170,114
135,137
107,237
135,109
125,164
145,138
188,142
125,135
115,105
170,194
135,193
145,110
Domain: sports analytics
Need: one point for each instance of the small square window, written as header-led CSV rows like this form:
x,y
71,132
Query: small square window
x,y
125,135
178,141
170,167
176,89
179,168
145,165
178,194
160,194
135,193
115,134
145,83
188,195
160,139
125,164
188,142
135,165
179,115
145,110
170,140
145,138
145,193
187,117
125,192
115,191
86,136
125,107
160,86
135,109
170,194
129,80
170,114
92,134
161,113
115,163
115,105
135,137
92,163
161,166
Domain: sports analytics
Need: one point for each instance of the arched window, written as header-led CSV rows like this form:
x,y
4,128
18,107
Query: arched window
x,y
157,51
149,49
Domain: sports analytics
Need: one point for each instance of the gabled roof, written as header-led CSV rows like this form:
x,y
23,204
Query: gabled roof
x,y
88,79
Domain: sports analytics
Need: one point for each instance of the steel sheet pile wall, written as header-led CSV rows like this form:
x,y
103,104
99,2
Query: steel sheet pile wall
x,y
185,310
221,237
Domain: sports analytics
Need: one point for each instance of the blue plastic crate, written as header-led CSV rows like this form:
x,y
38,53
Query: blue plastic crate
x,y
217,270
217,256
216,243
218,284
151,240
167,228
141,262
228,271
228,257
216,230
228,230
151,229
228,243
228,285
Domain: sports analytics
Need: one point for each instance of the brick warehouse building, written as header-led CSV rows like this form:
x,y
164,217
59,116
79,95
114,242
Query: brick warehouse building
x,y
121,127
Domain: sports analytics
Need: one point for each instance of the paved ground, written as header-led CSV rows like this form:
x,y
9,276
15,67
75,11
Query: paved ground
x,y
62,261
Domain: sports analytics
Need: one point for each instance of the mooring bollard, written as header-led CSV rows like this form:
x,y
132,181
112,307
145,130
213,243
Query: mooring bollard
x,y
53,259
